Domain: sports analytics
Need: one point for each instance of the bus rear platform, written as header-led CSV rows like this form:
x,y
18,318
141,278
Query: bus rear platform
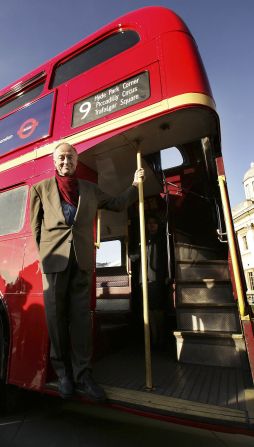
x,y
185,393
221,396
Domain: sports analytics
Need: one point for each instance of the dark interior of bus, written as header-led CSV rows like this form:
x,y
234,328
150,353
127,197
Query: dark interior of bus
x,y
182,191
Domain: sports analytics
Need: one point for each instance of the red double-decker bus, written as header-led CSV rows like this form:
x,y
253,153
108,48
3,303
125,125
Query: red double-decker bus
x,y
137,86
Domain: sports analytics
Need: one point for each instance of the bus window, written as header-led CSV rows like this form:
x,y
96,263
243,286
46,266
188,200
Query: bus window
x,y
21,99
12,210
109,254
95,55
171,158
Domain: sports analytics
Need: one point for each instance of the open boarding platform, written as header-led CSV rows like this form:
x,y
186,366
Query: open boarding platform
x,y
200,394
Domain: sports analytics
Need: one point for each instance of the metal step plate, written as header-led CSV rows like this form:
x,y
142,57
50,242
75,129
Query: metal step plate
x,y
205,292
216,270
208,320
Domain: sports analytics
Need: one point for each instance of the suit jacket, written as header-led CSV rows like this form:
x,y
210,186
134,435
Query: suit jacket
x,y
51,233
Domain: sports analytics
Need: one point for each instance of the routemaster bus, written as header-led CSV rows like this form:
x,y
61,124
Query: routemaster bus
x,y
135,93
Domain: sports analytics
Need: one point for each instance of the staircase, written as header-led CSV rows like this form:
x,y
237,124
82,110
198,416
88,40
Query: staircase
x,y
208,325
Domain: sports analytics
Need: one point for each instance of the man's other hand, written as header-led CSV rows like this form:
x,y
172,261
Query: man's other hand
x,y
139,176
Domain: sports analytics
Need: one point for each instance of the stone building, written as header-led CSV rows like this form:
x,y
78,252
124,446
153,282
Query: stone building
x,y
243,216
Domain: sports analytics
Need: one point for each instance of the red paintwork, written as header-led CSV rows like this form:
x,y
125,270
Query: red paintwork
x,y
220,166
186,422
249,340
168,51
164,38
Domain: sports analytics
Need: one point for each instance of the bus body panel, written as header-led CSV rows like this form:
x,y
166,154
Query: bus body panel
x,y
168,40
184,71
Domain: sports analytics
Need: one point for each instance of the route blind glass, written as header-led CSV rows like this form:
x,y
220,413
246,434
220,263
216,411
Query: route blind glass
x,y
95,55
117,97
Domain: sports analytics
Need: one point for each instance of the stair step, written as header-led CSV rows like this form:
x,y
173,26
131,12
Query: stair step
x,y
181,236
201,306
205,292
208,319
113,327
191,252
209,348
202,270
211,335
113,305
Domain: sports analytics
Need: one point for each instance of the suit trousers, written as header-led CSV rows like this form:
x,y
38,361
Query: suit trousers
x,y
67,306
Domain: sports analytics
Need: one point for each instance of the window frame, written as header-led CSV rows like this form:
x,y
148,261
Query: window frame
x,y
122,253
178,166
52,82
245,242
23,209
250,279
21,90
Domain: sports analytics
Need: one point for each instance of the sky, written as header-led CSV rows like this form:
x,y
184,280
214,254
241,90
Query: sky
x,y
33,31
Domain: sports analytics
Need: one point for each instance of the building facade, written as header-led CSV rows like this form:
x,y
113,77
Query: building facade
x,y
243,216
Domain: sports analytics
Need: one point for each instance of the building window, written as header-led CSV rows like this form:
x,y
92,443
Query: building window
x,y
247,191
245,243
251,280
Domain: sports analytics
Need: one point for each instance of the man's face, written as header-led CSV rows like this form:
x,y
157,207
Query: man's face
x,y
65,160
152,225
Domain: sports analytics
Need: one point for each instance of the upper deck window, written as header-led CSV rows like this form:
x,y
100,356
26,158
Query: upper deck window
x,y
20,99
95,55
12,210
171,158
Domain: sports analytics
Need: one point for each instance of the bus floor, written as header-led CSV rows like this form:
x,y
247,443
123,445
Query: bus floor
x,y
209,393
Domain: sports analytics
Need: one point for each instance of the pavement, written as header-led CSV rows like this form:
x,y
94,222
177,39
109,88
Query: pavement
x,y
40,421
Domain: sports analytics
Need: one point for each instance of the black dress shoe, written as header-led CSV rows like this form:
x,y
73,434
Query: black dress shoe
x,y
65,387
91,389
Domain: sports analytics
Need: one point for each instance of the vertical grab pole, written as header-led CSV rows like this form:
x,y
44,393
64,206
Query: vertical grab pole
x,y
98,237
144,279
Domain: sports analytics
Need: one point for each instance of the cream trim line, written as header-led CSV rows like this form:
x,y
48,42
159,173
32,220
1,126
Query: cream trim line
x,y
138,115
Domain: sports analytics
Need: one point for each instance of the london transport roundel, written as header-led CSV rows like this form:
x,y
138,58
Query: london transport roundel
x,y
27,128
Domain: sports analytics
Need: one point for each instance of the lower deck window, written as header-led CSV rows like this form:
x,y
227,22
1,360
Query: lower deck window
x,y
109,254
12,210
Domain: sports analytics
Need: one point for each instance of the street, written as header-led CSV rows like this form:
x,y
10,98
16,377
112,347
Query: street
x,y
52,422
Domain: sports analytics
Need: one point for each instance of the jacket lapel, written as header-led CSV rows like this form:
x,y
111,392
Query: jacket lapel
x,y
54,199
83,197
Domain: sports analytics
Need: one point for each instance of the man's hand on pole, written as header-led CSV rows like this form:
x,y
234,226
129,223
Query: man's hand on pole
x,y
138,176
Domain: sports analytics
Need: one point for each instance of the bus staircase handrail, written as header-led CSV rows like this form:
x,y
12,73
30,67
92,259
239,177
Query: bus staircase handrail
x,y
232,248
244,308
222,235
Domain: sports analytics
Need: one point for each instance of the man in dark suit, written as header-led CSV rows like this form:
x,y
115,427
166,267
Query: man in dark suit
x,y
63,209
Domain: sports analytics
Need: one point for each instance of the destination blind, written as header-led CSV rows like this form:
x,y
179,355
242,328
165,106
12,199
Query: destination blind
x,y
115,98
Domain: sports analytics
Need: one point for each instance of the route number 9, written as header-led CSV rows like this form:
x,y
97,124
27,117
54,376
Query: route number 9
x,y
85,109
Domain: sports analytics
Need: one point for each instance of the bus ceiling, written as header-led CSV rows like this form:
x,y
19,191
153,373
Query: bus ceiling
x,y
114,159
